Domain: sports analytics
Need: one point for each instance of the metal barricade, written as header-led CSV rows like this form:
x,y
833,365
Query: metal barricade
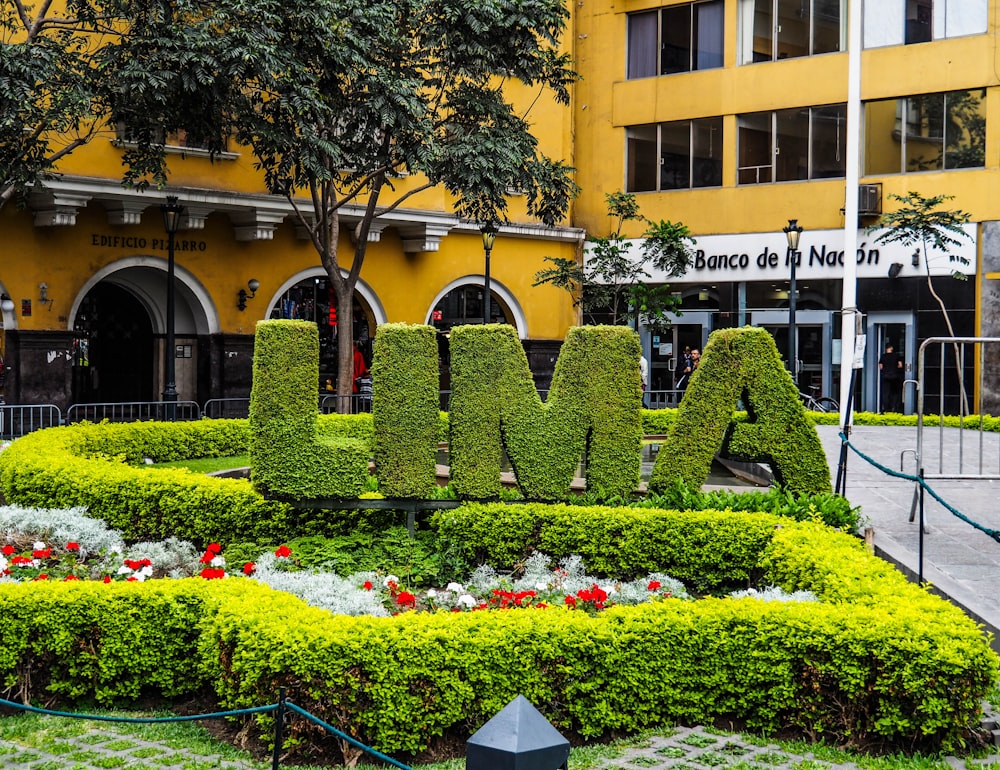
x,y
134,411
226,409
662,399
17,420
958,367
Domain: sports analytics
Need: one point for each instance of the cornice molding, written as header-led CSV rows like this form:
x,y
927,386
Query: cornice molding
x,y
255,217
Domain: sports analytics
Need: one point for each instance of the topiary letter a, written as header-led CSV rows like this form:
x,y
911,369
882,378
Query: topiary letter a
x,y
742,363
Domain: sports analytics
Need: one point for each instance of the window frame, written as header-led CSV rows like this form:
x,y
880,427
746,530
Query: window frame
x,y
632,136
747,12
772,170
638,66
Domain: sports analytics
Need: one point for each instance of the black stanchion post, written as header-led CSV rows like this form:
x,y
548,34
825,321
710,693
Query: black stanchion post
x,y
841,486
279,723
920,541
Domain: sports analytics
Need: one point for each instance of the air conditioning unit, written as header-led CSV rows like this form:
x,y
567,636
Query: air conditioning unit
x,y
870,200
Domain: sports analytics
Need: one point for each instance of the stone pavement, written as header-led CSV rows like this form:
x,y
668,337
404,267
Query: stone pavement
x,y
682,748
959,561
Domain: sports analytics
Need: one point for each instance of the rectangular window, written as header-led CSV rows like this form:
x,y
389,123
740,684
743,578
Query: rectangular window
x,y
679,38
688,153
927,132
786,29
792,145
898,22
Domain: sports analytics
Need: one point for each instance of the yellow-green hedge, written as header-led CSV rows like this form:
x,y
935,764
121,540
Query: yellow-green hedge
x,y
877,659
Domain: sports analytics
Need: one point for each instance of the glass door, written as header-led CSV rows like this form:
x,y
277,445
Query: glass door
x,y
885,329
813,358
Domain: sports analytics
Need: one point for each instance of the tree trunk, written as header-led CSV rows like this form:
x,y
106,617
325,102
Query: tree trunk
x,y
964,400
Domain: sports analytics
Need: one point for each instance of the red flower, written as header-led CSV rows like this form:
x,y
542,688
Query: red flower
x,y
107,578
368,585
72,545
20,561
249,568
283,552
571,602
654,585
43,576
8,550
211,573
137,564
406,599
214,548
45,553
70,577
206,558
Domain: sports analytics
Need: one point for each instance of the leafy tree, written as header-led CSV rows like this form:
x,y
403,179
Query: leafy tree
x,y
920,222
612,280
339,100
50,85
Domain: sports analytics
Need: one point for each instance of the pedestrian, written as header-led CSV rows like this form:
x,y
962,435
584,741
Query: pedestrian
x,y
890,367
362,386
685,365
644,376
695,359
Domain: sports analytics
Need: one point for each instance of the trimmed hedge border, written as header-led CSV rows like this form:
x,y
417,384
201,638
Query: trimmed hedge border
x,y
877,660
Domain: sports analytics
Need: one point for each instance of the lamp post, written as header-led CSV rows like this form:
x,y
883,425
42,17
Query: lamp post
x,y
171,220
489,232
792,233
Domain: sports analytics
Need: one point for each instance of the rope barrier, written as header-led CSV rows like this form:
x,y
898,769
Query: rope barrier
x,y
213,715
993,533
136,720
330,728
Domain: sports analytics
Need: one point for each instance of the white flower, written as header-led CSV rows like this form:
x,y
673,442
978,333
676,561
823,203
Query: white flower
x,y
455,587
3,564
431,593
218,561
390,579
123,570
145,572
466,600
541,585
39,546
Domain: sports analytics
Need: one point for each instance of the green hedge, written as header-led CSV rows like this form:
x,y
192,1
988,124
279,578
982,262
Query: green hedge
x,y
405,409
742,364
593,404
625,543
88,465
289,459
877,659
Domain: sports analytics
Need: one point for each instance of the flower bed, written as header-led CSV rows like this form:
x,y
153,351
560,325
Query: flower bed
x,y
874,660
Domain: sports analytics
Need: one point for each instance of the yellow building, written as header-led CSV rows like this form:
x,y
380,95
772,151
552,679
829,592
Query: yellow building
x,y
730,116
84,268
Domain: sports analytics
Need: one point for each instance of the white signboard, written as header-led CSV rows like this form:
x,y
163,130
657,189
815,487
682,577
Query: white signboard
x,y
764,257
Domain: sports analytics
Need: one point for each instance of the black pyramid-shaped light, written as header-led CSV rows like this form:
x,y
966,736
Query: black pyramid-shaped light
x,y
518,738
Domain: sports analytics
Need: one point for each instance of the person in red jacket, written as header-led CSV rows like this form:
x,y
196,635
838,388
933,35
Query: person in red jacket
x,y
360,367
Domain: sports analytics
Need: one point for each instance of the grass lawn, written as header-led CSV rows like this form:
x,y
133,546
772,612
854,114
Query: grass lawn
x,y
208,464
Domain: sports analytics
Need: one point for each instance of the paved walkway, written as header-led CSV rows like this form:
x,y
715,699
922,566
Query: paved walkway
x,y
959,561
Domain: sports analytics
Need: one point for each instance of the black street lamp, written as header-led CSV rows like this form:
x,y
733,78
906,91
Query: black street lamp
x,y
792,233
489,232
171,221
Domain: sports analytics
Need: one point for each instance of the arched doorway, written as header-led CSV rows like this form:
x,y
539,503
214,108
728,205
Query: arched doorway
x,y
113,351
313,299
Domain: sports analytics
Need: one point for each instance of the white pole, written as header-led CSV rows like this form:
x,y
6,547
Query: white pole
x,y
849,308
